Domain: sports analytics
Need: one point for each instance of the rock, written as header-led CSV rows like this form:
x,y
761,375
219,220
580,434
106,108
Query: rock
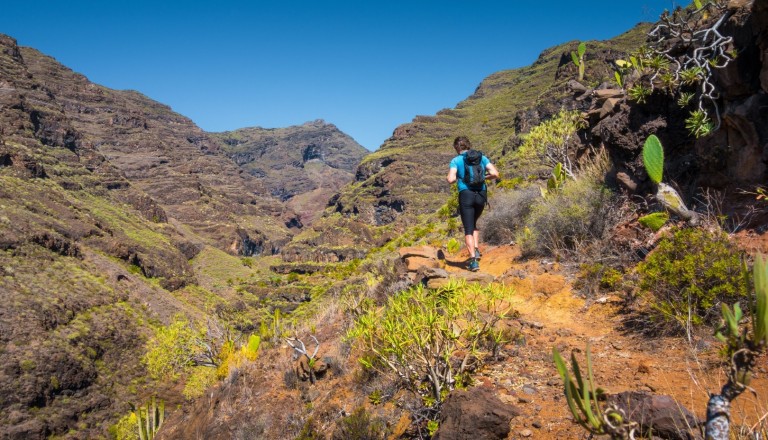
x,y
530,390
478,277
660,413
608,106
303,369
607,93
576,87
526,433
415,263
419,251
475,413
431,272
626,181
436,283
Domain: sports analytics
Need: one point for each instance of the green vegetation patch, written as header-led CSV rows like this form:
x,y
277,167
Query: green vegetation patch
x,y
688,276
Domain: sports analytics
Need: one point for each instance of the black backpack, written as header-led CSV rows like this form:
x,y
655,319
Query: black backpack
x,y
474,174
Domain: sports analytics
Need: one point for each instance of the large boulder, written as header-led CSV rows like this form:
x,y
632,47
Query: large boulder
x,y
659,415
475,413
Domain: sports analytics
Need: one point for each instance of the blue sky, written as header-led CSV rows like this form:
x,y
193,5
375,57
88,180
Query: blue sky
x,y
366,67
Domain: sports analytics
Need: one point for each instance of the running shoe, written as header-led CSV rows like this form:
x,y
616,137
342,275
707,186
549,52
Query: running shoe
x,y
477,254
474,265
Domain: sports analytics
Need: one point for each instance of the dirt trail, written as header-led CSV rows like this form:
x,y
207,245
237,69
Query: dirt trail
x,y
551,314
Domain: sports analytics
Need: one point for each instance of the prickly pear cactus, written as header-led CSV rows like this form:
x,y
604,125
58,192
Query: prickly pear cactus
x,y
671,200
654,221
653,158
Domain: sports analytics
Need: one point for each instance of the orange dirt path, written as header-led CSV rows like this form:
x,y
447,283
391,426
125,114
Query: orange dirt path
x,y
553,315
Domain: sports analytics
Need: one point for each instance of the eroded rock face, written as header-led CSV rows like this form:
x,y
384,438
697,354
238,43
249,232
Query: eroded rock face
x,y
100,190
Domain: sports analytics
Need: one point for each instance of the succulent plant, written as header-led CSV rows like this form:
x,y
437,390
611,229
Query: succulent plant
x,y
150,418
578,58
653,158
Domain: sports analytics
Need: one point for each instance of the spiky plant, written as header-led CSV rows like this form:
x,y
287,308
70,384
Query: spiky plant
x,y
149,419
582,397
743,347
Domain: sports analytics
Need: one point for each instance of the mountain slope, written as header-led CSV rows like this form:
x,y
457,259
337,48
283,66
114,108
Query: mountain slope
x,y
117,216
165,155
302,165
405,177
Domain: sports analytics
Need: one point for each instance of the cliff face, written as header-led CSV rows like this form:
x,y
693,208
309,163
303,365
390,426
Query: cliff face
x,y
168,157
302,165
77,242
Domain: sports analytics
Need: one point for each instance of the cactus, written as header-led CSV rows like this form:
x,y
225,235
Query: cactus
x,y
760,318
654,221
578,59
653,158
150,419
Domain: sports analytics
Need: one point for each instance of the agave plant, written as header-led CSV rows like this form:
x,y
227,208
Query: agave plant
x,y
582,398
699,123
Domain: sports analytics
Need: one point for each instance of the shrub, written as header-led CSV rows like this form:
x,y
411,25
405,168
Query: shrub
x,y
689,275
507,216
360,426
418,332
198,381
595,277
562,223
453,246
171,351
125,428
547,144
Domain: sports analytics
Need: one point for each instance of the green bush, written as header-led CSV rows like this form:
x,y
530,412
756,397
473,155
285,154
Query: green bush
x,y
419,331
689,275
171,351
125,428
199,379
596,277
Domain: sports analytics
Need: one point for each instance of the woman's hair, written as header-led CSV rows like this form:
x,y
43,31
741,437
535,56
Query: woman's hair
x,y
462,143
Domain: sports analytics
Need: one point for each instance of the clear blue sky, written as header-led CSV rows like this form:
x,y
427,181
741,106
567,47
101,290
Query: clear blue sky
x,y
365,66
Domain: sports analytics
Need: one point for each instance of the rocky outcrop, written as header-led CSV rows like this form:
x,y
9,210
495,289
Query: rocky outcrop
x,y
426,265
734,157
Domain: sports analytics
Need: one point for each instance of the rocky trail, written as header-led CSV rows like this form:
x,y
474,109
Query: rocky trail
x,y
551,314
